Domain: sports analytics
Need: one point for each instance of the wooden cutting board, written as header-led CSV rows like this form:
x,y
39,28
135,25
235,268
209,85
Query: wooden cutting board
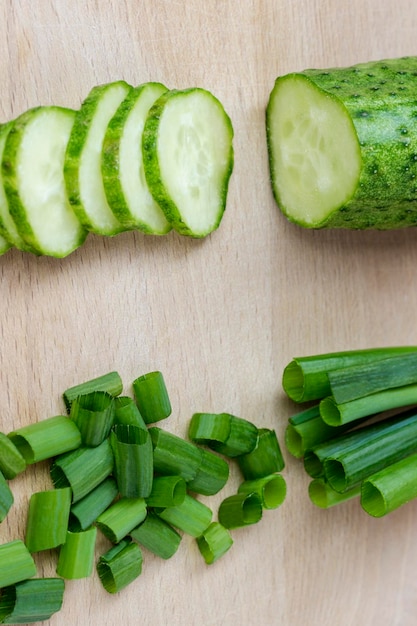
x,y
219,317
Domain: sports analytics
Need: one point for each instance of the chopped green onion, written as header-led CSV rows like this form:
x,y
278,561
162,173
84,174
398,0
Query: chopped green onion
x,y
120,566
43,440
265,459
271,489
133,460
242,437
174,455
31,601
76,556
240,509
209,428
69,470
111,383
214,542
322,495
6,498
152,397
85,512
126,412
93,413
47,520
16,563
12,462
391,487
121,518
211,476
167,491
191,516
157,536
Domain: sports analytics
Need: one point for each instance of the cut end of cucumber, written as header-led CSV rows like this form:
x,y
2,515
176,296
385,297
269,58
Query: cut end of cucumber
x,y
314,151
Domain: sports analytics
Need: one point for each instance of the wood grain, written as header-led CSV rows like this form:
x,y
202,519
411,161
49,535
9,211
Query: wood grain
x,y
220,317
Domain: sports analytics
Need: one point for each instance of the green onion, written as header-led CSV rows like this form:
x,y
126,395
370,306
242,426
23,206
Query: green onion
x,y
209,428
16,563
6,498
76,556
214,542
93,413
240,510
133,460
152,397
47,520
241,439
191,516
85,512
43,440
271,489
322,495
265,459
174,455
211,476
157,536
167,491
121,518
30,601
120,566
126,412
111,383
12,462
69,470
306,378
391,487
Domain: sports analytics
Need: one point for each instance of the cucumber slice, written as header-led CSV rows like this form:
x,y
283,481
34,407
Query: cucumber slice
x,y
342,145
34,183
188,159
82,167
122,166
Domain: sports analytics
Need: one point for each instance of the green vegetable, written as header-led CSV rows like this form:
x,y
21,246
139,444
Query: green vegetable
x,y
12,462
120,566
209,428
16,563
76,556
152,397
133,460
127,412
93,413
214,542
265,459
167,491
343,143
47,520
85,512
42,440
240,509
121,518
211,476
34,600
322,495
157,536
110,382
271,489
191,516
6,497
173,455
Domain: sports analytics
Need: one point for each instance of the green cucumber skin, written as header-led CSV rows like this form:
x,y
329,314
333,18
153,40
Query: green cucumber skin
x,y
381,99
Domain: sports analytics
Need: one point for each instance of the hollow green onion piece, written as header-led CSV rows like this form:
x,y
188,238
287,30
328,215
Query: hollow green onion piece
x,y
241,440
133,460
47,520
6,497
83,469
211,476
121,517
174,455
337,414
76,555
85,512
215,541
209,428
120,566
271,489
93,413
12,462
191,516
322,495
16,563
111,383
390,488
265,459
126,412
48,438
29,601
240,509
167,491
306,378
157,536
152,397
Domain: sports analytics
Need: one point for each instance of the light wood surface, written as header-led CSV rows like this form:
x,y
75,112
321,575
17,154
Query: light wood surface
x,y
219,317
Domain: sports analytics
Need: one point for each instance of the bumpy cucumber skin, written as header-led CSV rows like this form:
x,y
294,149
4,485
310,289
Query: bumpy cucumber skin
x,y
153,173
110,166
381,99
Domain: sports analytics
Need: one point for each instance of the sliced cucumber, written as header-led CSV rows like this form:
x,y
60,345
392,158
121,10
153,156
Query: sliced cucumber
x,y
343,145
82,167
33,181
188,159
122,166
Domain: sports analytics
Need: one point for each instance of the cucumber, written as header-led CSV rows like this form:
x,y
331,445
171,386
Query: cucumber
x,y
33,181
122,167
342,145
188,159
82,166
